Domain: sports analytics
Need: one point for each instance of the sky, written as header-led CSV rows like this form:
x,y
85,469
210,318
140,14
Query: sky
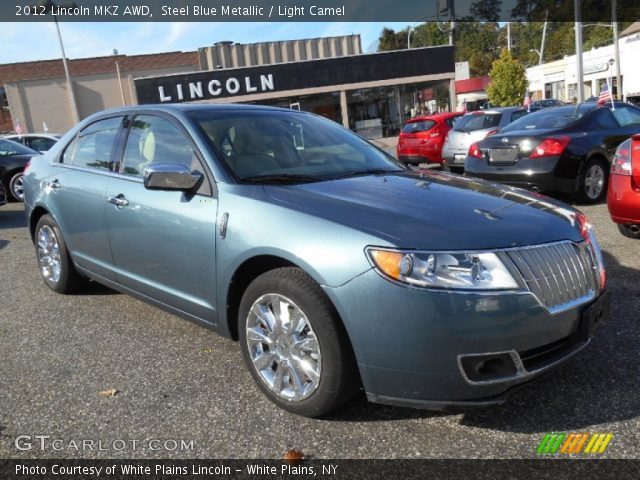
x,y
23,42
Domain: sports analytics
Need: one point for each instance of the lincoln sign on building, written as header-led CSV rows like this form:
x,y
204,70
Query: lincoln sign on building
x,y
372,94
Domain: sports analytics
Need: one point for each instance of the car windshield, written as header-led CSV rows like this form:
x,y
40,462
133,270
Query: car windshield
x,y
558,117
477,121
272,146
7,147
418,126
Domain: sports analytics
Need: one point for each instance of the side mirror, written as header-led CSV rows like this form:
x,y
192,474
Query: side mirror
x,y
167,176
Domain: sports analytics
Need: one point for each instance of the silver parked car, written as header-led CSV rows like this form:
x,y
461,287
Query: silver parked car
x,y
472,128
41,142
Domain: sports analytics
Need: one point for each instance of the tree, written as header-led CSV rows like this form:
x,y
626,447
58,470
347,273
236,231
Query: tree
x,y
508,81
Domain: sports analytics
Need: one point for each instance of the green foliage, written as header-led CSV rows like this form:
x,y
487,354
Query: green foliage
x,y
479,43
508,81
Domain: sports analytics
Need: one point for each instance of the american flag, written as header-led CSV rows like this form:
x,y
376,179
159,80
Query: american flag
x,y
527,100
605,95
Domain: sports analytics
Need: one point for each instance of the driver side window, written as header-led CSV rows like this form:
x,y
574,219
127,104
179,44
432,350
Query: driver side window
x,y
154,140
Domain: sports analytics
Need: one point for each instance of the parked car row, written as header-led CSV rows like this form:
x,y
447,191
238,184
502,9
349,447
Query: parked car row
x,y
40,142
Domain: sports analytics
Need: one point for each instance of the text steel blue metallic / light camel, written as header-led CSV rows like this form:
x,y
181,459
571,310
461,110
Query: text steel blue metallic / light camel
x,y
334,266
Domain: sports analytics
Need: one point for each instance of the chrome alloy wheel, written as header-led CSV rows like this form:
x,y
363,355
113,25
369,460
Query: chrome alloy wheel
x,y
49,254
594,181
283,347
17,187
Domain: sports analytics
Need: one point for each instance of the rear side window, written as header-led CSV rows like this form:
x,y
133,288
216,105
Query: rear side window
x,y
451,121
627,115
419,126
479,122
518,114
602,119
42,144
93,146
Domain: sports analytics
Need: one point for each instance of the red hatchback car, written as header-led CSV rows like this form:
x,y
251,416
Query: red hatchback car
x,y
623,197
421,138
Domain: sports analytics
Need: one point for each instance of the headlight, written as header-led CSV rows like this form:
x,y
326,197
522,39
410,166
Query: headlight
x,y
454,270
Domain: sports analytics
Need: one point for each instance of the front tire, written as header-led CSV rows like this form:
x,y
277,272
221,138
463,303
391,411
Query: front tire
x,y
16,186
294,344
54,261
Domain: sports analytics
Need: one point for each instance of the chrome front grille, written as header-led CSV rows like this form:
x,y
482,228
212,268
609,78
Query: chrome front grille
x,y
561,275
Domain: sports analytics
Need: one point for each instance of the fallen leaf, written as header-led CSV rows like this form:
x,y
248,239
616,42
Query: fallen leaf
x,y
207,350
112,392
293,456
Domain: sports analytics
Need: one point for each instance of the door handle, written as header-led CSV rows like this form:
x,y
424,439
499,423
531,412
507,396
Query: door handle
x,y
55,185
118,201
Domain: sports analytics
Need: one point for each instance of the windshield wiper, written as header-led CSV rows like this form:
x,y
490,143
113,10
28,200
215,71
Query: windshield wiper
x,y
377,171
281,178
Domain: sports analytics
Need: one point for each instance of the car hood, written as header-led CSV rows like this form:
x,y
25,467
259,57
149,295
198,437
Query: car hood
x,y
433,210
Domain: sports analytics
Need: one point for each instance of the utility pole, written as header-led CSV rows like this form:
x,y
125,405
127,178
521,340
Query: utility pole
x,y
578,34
509,36
544,35
616,44
452,25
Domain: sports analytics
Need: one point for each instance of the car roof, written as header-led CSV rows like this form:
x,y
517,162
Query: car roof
x,y
434,116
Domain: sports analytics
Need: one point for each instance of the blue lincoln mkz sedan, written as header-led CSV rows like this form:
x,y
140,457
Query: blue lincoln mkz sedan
x,y
335,267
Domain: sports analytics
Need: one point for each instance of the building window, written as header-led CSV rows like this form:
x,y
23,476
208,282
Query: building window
x,y
4,103
324,104
381,112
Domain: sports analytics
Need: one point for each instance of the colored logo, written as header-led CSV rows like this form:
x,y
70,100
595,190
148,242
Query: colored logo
x,y
561,442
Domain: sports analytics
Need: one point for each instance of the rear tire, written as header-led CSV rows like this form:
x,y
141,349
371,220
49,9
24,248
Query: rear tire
x,y
593,181
54,261
630,231
294,344
16,186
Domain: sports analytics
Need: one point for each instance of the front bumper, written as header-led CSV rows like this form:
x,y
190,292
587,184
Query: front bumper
x,y
410,343
532,174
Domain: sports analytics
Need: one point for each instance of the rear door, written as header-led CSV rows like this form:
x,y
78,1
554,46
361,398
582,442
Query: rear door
x,y
163,242
76,191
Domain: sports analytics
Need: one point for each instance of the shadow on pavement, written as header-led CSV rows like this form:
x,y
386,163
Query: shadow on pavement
x,y
12,218
3,243
599,385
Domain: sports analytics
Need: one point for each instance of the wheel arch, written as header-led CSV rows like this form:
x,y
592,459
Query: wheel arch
x,y
36,214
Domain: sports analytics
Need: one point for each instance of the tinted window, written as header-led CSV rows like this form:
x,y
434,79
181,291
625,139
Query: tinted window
x,y
518,114
288,145
479,122
419,126
41,144
155,140
7,147
451,121
544,119
602,119
627,115
93,146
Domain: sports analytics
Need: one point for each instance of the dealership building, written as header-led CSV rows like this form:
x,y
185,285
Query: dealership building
x,y
373,94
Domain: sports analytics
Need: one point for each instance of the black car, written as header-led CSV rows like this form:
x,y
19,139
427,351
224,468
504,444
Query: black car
x,y
3,195
548,103
13,158
562,149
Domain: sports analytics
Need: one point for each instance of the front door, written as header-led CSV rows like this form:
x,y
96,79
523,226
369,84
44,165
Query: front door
x,y
163,242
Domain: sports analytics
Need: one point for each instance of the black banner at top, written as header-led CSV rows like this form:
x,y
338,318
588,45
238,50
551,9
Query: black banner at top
x,y
316,10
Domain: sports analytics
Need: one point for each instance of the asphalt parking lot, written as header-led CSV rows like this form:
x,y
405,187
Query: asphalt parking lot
x,y
179,381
